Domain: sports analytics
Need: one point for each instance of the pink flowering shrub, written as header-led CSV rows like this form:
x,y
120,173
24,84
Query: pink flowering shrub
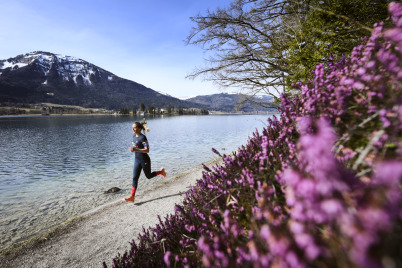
x,y
319,187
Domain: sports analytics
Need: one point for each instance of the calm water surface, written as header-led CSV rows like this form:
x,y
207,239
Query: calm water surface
x,y
56,168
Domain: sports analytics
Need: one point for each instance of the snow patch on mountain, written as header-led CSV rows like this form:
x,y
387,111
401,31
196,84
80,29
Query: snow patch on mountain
x,y
164,93
187,97
13,65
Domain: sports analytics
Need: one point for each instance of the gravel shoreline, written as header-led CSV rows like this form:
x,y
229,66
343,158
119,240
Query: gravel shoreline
x,y
98,236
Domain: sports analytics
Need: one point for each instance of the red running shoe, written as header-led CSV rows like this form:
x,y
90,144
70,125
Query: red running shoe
x,y
162,172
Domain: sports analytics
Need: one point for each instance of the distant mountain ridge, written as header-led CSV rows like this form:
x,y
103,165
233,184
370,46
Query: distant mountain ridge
x,y
39,76
232,102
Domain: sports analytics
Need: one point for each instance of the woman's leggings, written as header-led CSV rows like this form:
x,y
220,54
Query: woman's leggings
x,y
142,164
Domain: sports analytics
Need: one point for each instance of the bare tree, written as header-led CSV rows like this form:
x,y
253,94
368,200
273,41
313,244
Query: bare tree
x,y
248,44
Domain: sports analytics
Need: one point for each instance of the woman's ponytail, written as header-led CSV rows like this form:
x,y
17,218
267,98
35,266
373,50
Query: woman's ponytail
x,y
144,125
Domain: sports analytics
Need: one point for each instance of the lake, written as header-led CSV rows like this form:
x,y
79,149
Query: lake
x,y
54,168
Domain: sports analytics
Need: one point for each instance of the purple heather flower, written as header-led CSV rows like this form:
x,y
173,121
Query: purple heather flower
x,y
252,247
206,168
293,261
389,173
332,207
304,125
306,242
396,11
278,245
215,151
265,232
358,85
394,34
166,258
361,71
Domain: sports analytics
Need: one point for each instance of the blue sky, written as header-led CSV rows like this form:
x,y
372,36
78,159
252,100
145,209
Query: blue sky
x,y
138,40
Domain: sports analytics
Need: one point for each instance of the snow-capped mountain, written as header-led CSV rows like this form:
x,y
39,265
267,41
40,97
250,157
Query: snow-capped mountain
x,y
68,68
46,77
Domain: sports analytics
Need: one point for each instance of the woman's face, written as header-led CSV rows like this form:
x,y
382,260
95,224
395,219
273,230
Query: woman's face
x,y
136,129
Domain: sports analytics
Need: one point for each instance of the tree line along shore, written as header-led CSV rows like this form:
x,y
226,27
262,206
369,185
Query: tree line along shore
x,y
58,109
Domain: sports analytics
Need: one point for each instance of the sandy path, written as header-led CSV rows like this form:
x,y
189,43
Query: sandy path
x,y
98,236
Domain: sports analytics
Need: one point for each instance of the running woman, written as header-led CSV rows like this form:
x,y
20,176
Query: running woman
x,y
142,161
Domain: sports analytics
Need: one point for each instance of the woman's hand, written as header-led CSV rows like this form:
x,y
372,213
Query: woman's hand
x,y
132,149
